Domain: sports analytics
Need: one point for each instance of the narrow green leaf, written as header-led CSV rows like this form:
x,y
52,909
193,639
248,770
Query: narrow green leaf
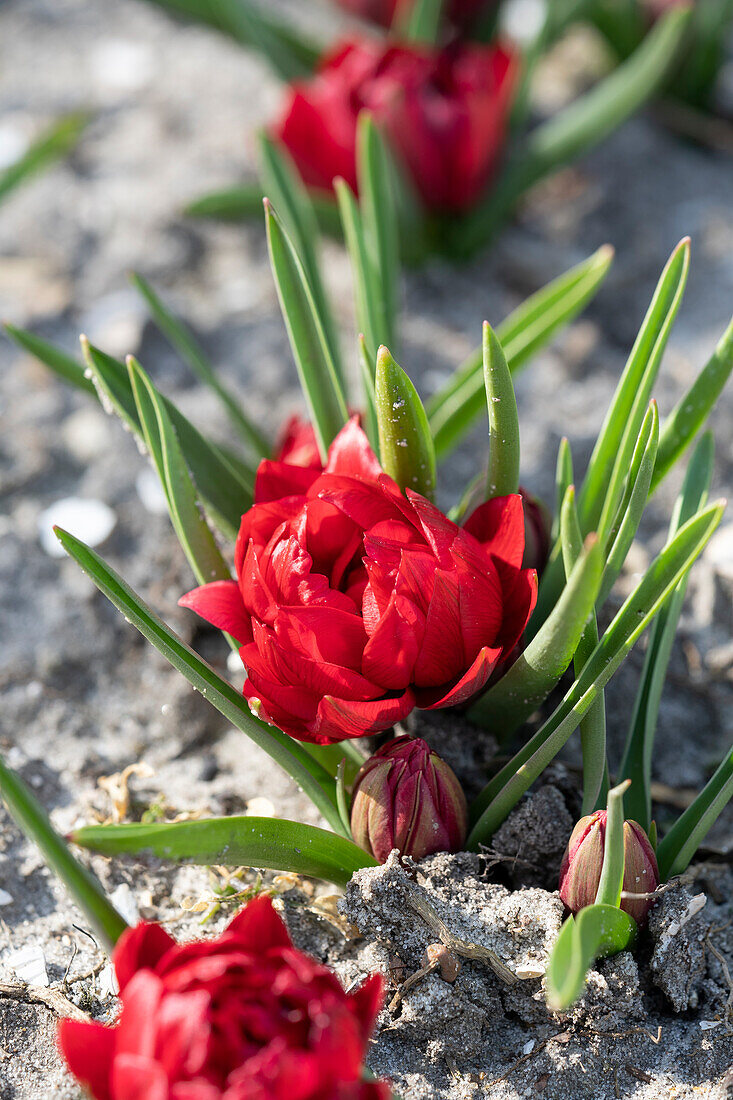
x,y
244,202
678,847
538,668
636,763
224,481
375,172
503,792
235,842
578,128
595,931
366,367
192,530
288,52
422,21
593,724
318,378
522,334
369,316
60,362
342,798
313,780
609,461
54,144
611,881
83,886
289,196
405,443
191,352
503,473
691,411
623,529
564,478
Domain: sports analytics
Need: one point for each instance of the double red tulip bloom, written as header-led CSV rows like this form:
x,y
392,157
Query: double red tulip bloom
x,y
243,1017
354,603
460,12
444,112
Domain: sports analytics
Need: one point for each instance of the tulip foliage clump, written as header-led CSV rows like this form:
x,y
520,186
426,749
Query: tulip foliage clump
x,y
353,598
452,93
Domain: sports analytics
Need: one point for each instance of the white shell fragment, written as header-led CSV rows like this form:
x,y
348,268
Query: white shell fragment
x,y
151,492
29,964
124,902
5,897
92,521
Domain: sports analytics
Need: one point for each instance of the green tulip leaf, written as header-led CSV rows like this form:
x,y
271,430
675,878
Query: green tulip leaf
x,y
511,700
503,473
57,142
234,842
636,763
62,364
182,339
522,334
318,377
376,174
422,21
405,443
244,202
611,881
677,848
596,931
84,888
502,793
369,316
310,776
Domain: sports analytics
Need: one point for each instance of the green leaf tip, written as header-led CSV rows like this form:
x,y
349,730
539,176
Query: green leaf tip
x,y
405,443
503,470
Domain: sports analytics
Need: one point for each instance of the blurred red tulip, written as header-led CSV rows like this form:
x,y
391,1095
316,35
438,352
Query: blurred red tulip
x,y
444,112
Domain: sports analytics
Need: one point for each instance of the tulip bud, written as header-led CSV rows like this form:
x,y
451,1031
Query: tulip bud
x,y
406,797
580,872
537,529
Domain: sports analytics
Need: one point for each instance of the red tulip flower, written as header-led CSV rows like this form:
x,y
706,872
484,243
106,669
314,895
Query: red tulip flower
x,y
406,797
243,1017
353,602
460,12
444,112
298,445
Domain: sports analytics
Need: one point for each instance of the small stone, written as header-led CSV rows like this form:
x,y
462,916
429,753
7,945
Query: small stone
x,y
448,963
151,492
5,897
29,964
92,521
124,902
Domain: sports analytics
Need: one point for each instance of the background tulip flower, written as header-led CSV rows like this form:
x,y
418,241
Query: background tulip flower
x,y
406,797
444,111
297,444
246,1014
537,531
580,872
354,602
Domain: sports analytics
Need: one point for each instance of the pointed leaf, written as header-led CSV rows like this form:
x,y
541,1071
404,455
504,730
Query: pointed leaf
x,y
54,144
83,886
369,316
524,332
318,378
60,362
244,202
405,443
313,780
503,792
611,881
538,668
503,472
190,351
369,419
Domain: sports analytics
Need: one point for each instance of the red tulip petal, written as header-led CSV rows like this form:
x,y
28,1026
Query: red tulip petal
x,y
341,719
220,603
390,654
441,651
259,926
281,479
297,444
499,525
320,134
323,634
140,948
364,502
88,1050
472,681
439,531
367,1002
520,597
136,1077
351,455
141,999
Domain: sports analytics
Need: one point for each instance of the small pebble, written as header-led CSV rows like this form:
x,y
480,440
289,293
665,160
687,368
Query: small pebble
x,y
92,521
29,964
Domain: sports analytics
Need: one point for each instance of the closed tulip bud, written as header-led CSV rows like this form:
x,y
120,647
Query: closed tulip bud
x,y
580,872
406,797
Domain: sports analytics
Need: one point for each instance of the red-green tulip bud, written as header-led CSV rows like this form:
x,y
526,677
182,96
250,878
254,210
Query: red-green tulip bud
x,y
406,797
580,872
